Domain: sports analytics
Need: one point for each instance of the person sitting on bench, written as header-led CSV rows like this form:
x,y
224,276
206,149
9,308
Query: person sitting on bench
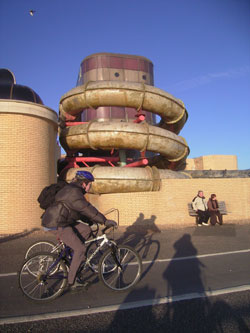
x,y
200,206
213,209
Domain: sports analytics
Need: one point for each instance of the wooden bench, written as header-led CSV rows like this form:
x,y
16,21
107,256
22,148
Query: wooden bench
x,y
222,209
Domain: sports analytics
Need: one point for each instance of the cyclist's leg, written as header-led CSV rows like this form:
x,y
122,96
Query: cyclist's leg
x,y
82,230
70,238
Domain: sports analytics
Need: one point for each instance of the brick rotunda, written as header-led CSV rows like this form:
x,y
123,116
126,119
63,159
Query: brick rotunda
x,y
28,156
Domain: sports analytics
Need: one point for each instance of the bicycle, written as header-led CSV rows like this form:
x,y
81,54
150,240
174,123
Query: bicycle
x,y
43,277
48,246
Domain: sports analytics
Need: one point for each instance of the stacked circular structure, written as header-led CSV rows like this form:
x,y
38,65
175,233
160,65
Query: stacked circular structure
x,y
28,153
109,121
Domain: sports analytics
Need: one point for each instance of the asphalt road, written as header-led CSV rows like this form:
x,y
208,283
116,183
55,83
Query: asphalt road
x,y
194,279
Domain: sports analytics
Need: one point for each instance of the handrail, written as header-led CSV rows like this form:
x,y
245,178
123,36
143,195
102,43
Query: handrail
x,y
111,210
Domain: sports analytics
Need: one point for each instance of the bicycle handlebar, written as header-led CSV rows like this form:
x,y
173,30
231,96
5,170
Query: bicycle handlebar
x,y
97,226
106,228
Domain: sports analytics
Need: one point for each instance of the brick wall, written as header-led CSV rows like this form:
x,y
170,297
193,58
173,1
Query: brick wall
x,y
27,162
169,205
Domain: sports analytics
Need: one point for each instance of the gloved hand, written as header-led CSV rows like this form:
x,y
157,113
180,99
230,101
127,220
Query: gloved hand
x,y
110,223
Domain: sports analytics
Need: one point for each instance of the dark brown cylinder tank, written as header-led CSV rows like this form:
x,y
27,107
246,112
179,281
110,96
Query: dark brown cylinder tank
x,y
116,67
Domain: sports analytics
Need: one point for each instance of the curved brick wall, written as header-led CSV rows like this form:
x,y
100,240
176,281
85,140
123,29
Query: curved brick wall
x,y
27,162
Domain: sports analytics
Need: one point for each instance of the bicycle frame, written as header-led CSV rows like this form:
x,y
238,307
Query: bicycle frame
x,y
104,240
66,252
57,246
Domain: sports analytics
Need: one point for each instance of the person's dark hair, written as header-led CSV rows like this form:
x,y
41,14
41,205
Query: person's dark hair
x,y
213,196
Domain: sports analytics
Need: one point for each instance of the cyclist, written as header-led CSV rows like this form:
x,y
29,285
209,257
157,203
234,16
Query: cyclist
x,y
74,233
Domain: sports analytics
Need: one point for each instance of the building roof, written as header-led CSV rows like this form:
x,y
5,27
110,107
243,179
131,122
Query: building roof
x,y
10,90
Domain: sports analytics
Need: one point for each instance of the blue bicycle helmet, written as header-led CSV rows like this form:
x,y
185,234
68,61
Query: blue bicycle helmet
x,y
85,175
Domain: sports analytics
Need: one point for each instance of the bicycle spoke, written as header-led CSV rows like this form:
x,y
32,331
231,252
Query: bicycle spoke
x,y
124,257
120,270
37,282
112,281
30,284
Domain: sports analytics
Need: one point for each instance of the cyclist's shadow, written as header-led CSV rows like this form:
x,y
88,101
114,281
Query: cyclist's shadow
x,y
138,319
184,279
140,237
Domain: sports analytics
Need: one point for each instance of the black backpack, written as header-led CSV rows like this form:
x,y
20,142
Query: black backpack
x,y
47,196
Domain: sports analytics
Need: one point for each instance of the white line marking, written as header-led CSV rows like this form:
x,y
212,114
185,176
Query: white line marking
x,y
7,274
199,256
171,259
124,306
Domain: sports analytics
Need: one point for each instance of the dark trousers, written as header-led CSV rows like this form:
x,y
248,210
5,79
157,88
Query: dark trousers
x,y
203,216
74,237
213,218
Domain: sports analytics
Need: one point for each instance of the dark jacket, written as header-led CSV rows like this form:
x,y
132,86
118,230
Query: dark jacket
x,y
76,208
212,205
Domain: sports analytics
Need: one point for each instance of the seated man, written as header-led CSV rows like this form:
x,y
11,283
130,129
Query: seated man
x,y
200,206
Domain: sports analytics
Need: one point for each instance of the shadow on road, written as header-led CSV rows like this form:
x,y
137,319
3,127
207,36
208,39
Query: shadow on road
x,y
195,313
18,235
185,277
226,230
140,236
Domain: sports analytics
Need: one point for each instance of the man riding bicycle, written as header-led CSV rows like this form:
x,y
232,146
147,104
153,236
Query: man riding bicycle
x,y
74,233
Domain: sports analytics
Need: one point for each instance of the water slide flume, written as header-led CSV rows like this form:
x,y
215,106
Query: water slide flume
x,y
109,134
121,135
125,94
123,180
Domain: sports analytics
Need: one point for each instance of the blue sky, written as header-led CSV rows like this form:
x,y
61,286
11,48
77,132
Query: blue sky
x,y
200,50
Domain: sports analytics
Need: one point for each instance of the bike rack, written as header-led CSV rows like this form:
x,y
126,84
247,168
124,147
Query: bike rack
x,y
111,210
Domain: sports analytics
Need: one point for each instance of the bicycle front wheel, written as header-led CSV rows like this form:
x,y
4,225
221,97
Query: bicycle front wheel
x,y
40,246
120,268
47,280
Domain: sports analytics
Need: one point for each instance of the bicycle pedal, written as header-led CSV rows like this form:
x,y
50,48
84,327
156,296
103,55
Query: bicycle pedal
x,y
79,287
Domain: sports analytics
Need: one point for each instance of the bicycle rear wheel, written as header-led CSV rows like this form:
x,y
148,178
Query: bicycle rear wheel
x,y
120,268
47,280
41,246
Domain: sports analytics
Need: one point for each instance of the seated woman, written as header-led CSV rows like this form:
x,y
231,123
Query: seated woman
x,y
213,209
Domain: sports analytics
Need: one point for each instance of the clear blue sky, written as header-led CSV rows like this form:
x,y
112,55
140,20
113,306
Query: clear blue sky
x,y
200,50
